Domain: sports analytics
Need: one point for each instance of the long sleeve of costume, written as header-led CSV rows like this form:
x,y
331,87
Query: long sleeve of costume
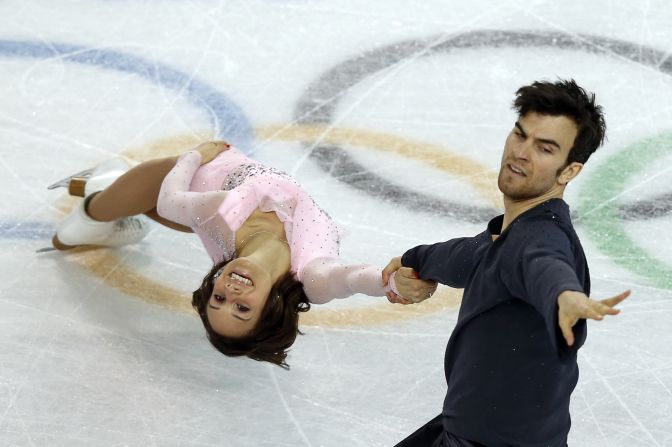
x,y
508,370
449,262
178,204
545,268
216,199
327,278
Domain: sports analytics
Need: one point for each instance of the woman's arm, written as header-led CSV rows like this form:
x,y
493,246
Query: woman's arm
x,y
177,204
154,215
327,278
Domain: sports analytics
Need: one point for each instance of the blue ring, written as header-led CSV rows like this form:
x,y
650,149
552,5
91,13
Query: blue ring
x,y
226,117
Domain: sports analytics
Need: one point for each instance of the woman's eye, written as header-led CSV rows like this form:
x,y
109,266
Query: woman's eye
x,y
242,308
219,298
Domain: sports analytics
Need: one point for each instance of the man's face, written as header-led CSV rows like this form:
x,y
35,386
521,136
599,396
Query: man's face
x,y
534,153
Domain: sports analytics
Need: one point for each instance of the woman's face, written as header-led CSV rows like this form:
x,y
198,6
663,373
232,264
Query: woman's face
x,y
239,294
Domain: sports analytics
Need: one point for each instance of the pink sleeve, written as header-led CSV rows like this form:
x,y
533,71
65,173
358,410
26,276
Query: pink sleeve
x,y
178,204
326,278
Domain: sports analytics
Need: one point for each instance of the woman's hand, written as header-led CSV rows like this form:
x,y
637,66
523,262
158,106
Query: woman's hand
x,y
406,281
211,149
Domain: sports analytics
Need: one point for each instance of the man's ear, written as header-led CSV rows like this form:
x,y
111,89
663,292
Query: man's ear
x,y
570,172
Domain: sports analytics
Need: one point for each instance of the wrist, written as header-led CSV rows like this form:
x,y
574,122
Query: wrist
x,y
392,283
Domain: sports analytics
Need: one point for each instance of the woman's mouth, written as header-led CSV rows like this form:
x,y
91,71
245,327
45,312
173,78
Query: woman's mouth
x,y
241,279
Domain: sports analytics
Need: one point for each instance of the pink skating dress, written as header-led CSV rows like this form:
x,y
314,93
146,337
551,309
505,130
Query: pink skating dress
x,y
217,198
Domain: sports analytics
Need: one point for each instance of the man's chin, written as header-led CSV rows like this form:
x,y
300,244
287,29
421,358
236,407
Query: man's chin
x,y
513,193
509,191
516,195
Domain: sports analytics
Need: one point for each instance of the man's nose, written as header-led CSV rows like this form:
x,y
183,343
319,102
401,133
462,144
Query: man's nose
x,y
522,151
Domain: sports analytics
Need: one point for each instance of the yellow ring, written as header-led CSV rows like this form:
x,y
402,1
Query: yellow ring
x,y
106,264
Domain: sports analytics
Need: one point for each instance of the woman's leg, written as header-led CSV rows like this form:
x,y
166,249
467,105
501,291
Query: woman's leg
x,y
152,214
135,192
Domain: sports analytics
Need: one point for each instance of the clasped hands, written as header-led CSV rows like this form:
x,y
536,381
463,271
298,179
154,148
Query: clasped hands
x,y
411,289
572,306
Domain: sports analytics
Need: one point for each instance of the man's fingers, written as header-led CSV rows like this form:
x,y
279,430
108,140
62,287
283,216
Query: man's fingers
x,y
396,299
574,305
391,266
605,309
614,301
567,333
594,316
596,310
407,272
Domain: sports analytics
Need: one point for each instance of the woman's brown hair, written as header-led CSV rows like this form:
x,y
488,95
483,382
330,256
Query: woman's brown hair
x,y
276,330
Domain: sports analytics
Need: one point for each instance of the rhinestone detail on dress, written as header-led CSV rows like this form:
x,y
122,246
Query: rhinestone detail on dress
x,y
236,177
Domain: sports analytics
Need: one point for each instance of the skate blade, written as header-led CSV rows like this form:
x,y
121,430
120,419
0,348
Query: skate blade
x,y
56,245
66,181
45,250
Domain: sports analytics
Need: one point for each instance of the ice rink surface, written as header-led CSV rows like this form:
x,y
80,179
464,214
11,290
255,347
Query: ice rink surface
x,y
393,114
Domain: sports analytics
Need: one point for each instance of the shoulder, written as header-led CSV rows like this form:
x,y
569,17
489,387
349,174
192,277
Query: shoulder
x,y
541,230
551,216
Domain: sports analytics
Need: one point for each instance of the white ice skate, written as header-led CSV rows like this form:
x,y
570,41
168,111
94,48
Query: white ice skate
x,y
86,182
78,229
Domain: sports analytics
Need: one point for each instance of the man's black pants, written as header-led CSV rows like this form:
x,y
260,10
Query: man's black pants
x,y
432,434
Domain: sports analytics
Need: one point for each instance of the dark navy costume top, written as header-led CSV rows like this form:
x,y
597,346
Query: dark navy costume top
x,y
510,372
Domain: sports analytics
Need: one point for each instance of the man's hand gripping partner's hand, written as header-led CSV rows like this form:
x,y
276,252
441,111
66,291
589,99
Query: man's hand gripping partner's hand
x,y
411,289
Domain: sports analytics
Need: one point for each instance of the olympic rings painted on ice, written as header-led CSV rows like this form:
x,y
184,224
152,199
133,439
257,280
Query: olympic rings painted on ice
x,y
226,117
480,177
319,103
106,265
599,211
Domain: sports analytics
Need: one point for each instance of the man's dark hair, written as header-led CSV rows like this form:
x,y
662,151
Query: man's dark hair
x,y
566,98
276,330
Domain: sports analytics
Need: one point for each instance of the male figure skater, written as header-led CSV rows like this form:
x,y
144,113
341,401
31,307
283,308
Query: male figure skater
x,y
510,363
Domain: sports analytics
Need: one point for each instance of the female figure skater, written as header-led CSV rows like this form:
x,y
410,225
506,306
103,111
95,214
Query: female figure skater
x,y
274,250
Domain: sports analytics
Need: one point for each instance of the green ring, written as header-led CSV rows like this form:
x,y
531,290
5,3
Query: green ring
x,y
598,211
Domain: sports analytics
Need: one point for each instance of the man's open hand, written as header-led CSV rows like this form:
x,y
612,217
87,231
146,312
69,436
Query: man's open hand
x,y
573,306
